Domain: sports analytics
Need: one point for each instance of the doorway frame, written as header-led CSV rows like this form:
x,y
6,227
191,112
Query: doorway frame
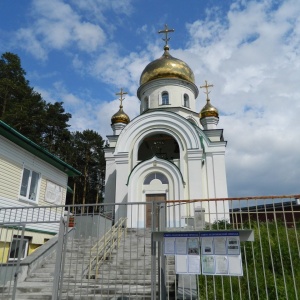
x,y
158,216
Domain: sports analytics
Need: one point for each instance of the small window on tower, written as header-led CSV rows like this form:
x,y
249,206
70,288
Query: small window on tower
x,y
146,103
186,100
165,98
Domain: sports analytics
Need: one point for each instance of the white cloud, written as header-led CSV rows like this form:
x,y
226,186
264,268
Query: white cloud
x,y
30,42
96,8
88,113
119,71
108,108
58,26
252,56
89,36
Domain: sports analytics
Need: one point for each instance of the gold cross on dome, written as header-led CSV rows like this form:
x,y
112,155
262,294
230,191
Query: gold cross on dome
x,y
166,31
206,86
121,93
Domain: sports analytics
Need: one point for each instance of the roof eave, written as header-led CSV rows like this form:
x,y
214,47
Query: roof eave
x,y
25,143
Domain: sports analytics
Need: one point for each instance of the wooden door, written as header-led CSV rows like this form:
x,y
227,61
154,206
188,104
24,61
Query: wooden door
x,y
151,198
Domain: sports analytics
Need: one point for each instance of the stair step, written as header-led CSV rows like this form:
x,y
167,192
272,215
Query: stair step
x,y
125,274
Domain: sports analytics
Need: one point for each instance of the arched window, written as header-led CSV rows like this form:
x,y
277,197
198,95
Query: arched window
x,y
186,100
161,177
146,103
165,98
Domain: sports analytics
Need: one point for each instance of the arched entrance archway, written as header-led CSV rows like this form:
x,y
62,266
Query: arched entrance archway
x,y
162,146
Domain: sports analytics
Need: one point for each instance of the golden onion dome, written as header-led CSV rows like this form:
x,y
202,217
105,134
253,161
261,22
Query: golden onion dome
x,y
167,66
208,111
120,117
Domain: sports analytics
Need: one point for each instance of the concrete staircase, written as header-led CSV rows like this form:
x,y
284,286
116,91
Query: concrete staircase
x,y
126,274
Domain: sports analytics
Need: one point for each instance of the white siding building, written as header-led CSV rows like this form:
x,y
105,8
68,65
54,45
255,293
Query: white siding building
x,y
30,177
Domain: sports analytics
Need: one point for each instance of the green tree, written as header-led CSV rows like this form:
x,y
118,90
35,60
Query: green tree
x,y
26,111
55,132
26,115
13,84
88,157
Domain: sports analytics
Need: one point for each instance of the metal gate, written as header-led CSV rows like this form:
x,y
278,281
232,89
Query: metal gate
x,y
106,251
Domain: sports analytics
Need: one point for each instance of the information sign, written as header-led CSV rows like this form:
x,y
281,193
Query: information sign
x,y
209,253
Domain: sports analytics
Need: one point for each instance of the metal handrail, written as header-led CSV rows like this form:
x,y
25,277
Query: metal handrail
x,y
103,248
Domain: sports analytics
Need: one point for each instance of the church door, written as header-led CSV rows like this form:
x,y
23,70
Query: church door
x,y
151,198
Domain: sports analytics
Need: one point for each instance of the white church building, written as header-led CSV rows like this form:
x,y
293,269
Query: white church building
x,y
170,151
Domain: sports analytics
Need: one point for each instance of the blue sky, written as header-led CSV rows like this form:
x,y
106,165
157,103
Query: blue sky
x,y
81,52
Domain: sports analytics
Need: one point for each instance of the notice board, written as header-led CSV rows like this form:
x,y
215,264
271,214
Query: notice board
x,y
207,253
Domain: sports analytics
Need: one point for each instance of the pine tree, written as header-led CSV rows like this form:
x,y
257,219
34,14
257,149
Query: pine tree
x,y
87,156
47,125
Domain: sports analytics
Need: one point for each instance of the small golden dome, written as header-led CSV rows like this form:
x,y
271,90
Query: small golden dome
x,y
208,111
120,117
167,66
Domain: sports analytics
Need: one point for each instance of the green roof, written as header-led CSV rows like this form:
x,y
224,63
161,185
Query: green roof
x,y
25,143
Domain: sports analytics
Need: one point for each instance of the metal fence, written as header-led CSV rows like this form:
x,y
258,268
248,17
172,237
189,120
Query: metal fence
x,y
110,251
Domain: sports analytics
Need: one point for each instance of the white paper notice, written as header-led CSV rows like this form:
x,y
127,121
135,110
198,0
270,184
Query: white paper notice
x,y
194,264
208,264
181,245
221,264
169,246
193,246
207,245
220,245
235,265
233,245
53,193
181,264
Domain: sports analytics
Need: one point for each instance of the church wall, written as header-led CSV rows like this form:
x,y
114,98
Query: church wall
x,y
216,186
220,175
220,186
210,187
194,168
122,172
110,178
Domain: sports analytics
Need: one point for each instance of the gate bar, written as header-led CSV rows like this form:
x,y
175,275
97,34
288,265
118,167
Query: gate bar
x,y
57,271
18,264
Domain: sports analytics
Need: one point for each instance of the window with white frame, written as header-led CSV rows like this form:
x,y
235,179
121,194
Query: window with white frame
x,y
29,185
18,245
165,98
186,100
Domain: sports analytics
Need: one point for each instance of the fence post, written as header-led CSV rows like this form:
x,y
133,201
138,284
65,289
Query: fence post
x,y
153,253
18,264
58,263
162,259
